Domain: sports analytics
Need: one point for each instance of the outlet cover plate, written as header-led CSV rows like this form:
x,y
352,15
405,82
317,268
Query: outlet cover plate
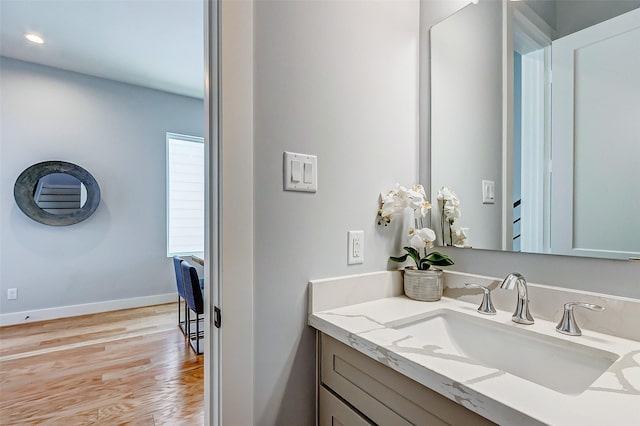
x,y
355,247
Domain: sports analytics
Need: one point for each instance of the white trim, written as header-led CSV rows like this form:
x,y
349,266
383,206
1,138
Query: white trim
x,y
22,317
507,127
236,211
525,32
533,146
212,353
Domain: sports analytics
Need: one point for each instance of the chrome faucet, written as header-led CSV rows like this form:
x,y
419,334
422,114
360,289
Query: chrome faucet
x,y
568,324
521,314
486,306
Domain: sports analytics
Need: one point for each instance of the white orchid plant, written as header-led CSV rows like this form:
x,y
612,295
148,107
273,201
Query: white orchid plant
x,y
449,213
393,204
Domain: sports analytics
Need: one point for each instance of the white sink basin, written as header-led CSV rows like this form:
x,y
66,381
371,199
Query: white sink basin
x,y
566,367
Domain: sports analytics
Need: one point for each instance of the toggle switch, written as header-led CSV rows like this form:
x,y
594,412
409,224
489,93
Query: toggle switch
x,y
308,173
296,172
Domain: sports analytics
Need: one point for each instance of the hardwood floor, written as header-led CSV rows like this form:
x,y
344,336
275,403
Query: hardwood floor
x,y
129,367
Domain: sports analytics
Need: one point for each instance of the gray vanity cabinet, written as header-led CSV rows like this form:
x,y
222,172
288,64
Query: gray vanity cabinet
x,y
334,412
357,390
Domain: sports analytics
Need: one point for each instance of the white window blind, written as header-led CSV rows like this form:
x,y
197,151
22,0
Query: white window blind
x,y
185,194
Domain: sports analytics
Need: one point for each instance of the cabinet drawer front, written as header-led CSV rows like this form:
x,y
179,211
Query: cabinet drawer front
x,y
384,395
334,412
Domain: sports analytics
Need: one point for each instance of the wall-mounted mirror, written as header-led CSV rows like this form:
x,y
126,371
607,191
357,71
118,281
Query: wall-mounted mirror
x,y
540,99
57,193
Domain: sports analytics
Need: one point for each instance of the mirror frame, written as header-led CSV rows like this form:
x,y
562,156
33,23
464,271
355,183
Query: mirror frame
x,y
28,179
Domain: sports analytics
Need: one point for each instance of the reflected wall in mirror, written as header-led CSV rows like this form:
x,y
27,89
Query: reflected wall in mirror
x,y
563,151
57,193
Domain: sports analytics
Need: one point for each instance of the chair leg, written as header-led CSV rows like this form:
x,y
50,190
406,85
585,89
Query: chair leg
x,y
179,320
181,324
188,323
187,318
198,334
195,337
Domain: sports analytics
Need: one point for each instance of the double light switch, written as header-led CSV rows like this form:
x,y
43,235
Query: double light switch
x,y
300,172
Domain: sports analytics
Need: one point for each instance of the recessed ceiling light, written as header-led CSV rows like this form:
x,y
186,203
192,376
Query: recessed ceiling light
x,y
34,38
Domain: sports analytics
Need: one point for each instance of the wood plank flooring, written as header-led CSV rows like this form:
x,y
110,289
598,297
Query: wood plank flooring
x,y
129,367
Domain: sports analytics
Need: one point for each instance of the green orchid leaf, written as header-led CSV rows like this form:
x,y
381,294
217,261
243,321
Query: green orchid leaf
x,y
399,259
414,254
438,259
424,264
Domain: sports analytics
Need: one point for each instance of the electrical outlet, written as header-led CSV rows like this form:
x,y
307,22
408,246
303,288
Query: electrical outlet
x,y
355,249
12,293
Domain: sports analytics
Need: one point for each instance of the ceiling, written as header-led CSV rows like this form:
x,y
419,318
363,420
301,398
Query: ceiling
x,y
151,43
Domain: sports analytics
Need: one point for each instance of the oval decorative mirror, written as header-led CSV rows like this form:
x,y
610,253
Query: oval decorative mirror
x,y
57,193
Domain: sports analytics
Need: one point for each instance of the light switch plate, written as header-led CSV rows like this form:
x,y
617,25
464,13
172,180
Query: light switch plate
x,y
12,293
355,247
300,172
488,192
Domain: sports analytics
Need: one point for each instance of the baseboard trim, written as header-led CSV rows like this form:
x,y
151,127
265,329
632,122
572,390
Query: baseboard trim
x,y
22,317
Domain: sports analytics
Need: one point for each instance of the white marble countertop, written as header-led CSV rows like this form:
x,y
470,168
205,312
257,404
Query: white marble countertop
x,y
614,398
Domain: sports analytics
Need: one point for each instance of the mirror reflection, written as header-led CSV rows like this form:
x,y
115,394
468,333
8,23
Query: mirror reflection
x,y
60,193
534,124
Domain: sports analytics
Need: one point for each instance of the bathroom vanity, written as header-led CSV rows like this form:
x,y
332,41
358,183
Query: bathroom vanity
x,y
378,392
389,360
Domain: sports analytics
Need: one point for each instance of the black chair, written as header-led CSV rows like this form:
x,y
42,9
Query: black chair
x,y
177,262
195,302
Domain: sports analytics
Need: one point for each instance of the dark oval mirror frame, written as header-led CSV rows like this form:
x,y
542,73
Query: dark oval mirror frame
x,y
28,179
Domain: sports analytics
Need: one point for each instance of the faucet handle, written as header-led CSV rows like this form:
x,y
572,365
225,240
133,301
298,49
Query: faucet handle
x,y
486,306
567,324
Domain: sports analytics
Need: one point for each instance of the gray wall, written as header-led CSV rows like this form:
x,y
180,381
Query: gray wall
x,y
575,15
115,131
569,16
339,80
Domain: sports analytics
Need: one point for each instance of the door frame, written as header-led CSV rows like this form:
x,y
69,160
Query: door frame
x,y
229,253
212,364
523,29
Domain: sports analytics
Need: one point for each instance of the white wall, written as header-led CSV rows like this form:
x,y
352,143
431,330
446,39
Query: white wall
x,y
115,131
466,117
338,80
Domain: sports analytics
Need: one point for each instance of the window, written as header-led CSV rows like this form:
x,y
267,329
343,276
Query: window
x,y
185,194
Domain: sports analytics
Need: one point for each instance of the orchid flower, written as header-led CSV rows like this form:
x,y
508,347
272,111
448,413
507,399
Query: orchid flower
x,y
459,236
421,238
